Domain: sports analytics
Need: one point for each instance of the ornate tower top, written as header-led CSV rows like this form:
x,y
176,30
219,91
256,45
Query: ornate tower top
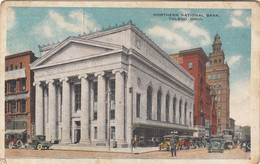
x,y
216,44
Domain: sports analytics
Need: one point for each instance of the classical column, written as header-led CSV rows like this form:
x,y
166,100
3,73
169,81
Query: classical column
x,y
39,108
84,138
101,115
65,138
120,104
52,110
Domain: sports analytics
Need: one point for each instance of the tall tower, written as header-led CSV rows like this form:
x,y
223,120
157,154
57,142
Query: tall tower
x,y
217,72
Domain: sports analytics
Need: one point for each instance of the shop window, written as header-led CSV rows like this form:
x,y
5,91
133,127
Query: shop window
x,y
95,132
113,132
23,105
112,99
77,90
190,65
159,104
95,88
13,86
23,84
149,102
138,103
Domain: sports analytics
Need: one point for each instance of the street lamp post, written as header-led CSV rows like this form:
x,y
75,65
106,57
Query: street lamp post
x,y
213,94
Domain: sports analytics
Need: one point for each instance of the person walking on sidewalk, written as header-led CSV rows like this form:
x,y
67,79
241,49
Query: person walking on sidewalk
x,y
173,143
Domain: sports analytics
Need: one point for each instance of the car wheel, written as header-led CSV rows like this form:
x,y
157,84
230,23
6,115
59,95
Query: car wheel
x,y
39,147
19,144
10,145
26,146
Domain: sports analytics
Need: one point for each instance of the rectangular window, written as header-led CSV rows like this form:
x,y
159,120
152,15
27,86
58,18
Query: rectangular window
x,y
23,105
13,86
6,68
77,96
138,100
6,107
219,98
23,84
95,132
190,118
5,87
112,84
15,66
11,67
113,132
13,107
190,65
219,106
219,113
219,92
95,88
219,129
21,65
209,77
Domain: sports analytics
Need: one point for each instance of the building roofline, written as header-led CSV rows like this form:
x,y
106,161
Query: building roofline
x,y
199,49
19,54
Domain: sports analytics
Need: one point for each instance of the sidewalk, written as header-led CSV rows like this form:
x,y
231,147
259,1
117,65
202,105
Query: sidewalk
x,y
79,147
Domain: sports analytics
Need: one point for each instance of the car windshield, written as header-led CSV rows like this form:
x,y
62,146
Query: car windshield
x,y
41,138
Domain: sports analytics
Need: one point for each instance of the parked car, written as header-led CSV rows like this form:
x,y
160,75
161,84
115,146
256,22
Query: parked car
x,y
15,138
216,144
39,142
165,144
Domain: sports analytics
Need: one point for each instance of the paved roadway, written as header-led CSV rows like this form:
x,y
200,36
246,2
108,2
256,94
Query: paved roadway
x,y
200,153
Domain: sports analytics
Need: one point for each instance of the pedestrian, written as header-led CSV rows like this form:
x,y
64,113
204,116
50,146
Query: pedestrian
x,y
173,143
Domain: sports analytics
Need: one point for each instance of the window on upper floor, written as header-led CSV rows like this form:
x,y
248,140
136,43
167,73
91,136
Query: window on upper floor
x,y
77,90
21,65
95,132
112,98
167,103
219,91
6,68
214,85
149,103
215,76
23,84
209,77
220,84
11,67
13,107
15,66
190,65
13,86
219,113
159,105
23,105
95,90
138,104
219,106
215,61
113,132
219,60
207,64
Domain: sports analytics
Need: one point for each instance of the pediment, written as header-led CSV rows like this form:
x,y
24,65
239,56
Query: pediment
x,y
74,49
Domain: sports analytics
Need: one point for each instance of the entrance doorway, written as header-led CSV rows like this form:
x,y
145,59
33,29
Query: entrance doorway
x,y
77,132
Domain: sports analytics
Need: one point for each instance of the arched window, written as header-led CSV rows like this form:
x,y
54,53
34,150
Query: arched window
x,y
149,102
167,107
185,114
174,110
180,104
159,105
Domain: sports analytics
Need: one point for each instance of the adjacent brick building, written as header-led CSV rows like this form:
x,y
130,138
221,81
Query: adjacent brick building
x,y
218,78
194,61
19,93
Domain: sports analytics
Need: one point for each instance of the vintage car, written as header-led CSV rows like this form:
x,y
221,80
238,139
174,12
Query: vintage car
x,y
216,144
15,138
39,142
165,144
184,142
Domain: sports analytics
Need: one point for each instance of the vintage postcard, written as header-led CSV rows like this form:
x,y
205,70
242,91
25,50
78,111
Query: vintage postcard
x,y
143,82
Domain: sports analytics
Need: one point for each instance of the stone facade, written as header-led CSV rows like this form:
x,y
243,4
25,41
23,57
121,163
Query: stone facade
x,y
218,79
19,93
93,89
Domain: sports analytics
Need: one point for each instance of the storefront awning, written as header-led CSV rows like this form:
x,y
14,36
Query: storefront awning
x,y
16,131
143,125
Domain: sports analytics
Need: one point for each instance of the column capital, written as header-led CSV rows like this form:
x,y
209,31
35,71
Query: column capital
x,y
64,79
119,70
82,76
102,73
36,83
49,81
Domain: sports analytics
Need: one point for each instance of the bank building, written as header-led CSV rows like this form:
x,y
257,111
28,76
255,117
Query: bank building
x,y
112,85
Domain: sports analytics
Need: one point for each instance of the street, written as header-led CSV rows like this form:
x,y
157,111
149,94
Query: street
x,y
200,153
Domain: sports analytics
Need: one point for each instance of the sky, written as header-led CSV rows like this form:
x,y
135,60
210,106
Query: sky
x,y
29,27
